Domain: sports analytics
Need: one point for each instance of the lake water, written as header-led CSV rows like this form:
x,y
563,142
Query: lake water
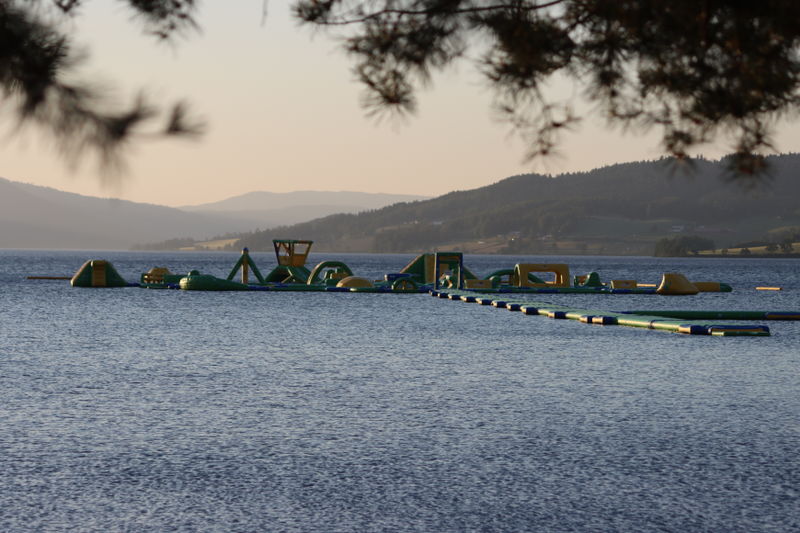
x,y
152,410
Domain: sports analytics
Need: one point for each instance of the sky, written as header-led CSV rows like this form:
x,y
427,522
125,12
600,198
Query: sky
x,y
282,113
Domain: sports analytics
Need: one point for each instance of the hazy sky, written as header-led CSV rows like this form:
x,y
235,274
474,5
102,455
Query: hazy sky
x,y
283,115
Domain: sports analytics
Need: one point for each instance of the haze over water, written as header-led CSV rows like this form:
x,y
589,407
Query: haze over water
x,y
144,410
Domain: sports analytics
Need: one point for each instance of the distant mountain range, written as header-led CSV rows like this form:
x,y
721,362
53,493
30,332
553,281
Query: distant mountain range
x,y
269,209
618,209
41,217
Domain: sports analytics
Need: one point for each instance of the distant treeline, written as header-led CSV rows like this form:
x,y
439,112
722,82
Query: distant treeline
x,y
683,245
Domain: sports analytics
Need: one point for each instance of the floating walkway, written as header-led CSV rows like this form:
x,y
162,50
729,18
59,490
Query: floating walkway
x,y
687,322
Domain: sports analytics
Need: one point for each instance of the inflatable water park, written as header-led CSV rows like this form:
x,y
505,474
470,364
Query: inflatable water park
x,y
444,275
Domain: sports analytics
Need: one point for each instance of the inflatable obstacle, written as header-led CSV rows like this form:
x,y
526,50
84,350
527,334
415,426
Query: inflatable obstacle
x,y
429,270
290,274
443,274
97,273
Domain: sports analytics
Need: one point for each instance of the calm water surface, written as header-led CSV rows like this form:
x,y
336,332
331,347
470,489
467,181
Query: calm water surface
x,y
145,410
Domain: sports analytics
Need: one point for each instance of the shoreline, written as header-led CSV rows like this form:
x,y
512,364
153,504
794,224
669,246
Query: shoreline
x,y
746,256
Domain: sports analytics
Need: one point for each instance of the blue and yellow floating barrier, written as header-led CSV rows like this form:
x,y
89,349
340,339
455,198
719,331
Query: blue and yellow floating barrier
x,y
673,321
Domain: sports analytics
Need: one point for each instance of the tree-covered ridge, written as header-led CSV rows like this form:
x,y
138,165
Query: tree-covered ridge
x,y
646,201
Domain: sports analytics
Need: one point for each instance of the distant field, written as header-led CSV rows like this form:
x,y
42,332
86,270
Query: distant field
x,y
209,245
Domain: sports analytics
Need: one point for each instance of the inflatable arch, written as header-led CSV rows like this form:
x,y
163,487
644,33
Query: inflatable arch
x,y
505,276
336,270
522,270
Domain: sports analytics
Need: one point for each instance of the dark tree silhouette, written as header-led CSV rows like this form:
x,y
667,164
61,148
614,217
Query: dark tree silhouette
x,y
38,55
696,69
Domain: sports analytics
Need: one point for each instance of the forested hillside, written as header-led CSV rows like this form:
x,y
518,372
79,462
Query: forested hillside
x,y
623,208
